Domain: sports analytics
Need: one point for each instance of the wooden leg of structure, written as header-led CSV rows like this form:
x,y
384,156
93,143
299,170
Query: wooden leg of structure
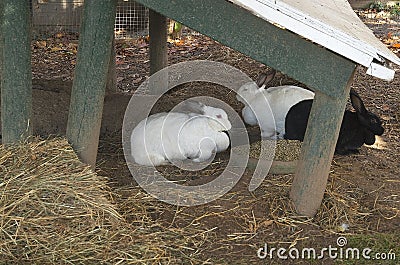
x,y
158,41
16,72
111,87
87,97
158,51
318,148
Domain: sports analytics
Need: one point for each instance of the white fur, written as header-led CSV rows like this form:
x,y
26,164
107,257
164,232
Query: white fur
x,y
174,136
280,100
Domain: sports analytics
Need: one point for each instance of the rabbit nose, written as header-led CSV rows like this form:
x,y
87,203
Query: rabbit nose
x,y
380,131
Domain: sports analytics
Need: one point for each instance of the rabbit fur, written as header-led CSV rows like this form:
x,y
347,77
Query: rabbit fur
x,y
175,136
358,128
280,99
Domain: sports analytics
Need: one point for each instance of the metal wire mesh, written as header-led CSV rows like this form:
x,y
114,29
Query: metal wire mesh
x,y
53,16
131,19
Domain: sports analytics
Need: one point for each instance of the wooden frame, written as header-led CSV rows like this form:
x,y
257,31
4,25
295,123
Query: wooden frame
x,y
327,73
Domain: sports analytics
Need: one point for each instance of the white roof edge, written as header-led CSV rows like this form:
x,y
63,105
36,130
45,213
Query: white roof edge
x,y
277,12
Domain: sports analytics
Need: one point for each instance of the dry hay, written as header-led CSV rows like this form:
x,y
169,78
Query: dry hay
x,y
55,210
285,150
245,219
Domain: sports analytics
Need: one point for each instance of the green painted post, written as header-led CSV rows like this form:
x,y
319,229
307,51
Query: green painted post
x,y
313,168
1,45
16,74
88,89
158,49
158,41
111,86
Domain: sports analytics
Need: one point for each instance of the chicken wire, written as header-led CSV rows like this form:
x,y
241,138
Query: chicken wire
x,y
54,16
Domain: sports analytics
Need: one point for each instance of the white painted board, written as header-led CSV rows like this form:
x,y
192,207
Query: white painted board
x,y
332,24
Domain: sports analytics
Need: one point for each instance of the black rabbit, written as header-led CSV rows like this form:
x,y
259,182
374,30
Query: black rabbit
x,y
357,128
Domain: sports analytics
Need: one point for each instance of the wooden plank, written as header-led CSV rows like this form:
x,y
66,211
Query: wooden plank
x,y
330,23
16,82
111,86
87,96
158,41
255,37
318,148
1,42
158,32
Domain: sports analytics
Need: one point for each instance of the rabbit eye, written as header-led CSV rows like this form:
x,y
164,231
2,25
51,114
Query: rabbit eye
x,y
219,116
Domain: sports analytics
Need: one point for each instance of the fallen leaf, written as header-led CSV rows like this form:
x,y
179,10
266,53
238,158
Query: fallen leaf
x,y
56,49
138,80
41,44
385,107
59,35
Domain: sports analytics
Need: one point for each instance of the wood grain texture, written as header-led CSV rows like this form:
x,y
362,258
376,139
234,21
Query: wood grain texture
x,y
16,74
158,41
239,29
318,148
88,90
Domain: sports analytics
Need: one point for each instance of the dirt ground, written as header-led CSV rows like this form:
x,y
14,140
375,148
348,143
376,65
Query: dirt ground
x,y
363,189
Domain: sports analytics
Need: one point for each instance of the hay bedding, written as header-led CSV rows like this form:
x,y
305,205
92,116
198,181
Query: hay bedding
x,y
55,210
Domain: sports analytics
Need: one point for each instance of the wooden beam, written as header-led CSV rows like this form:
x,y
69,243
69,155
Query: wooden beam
x,y
279,48
318,148
16,76
88,89
111,87
158,41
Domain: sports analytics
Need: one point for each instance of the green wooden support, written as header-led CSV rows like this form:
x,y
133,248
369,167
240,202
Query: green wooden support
x,y
16,74
88,89
158,33
1,44
158,41
318,147
111,86
281,49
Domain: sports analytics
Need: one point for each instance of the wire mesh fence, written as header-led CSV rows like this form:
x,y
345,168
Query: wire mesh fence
x,y
53,16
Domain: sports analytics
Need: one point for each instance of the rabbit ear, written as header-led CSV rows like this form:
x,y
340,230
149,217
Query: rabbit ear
x,y
194,106
357,102
265,78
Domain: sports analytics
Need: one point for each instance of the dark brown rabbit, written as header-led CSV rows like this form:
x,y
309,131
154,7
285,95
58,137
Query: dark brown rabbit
x,y
357,128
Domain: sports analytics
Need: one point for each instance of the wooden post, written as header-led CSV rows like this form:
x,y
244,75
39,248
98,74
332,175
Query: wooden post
x,y
111,87
158,41
318,148
88,89
1,45
16,76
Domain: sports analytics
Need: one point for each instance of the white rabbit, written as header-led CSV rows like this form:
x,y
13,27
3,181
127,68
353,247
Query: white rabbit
x,y
175,136
280,99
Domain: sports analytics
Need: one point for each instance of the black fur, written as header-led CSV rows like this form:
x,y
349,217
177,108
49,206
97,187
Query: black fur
x,y
357,128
